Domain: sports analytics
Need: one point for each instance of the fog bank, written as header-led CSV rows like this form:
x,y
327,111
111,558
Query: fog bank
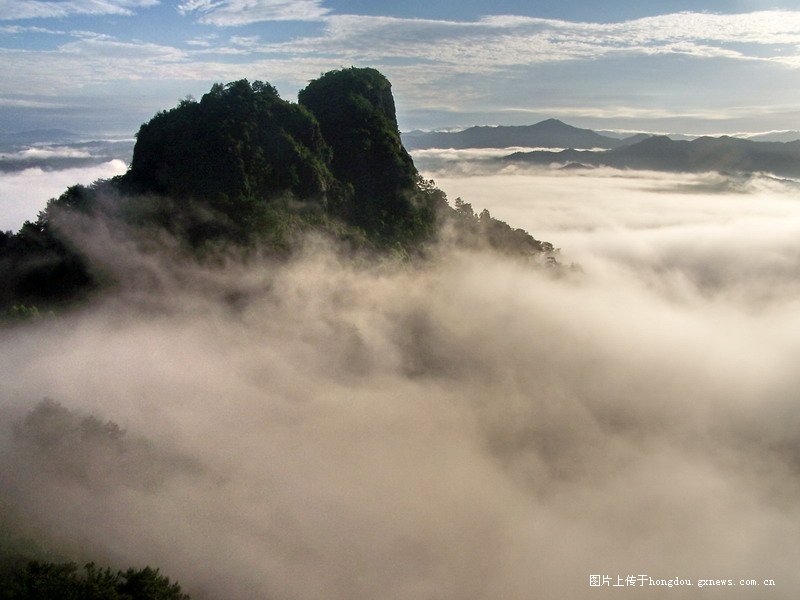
x,y
24,193
470,428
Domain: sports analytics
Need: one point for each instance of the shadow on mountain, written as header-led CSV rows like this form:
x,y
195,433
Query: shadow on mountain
x,y
244,169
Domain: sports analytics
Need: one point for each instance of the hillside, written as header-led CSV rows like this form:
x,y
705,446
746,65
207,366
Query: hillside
x,y
243,167
776,136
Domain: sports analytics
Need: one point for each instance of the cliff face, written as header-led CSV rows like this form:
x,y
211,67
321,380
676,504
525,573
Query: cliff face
x,y
356,112
243,166
241,139
242,146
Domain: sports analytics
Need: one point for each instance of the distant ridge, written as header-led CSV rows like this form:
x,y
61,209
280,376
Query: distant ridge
x,y
776,136
553,133
550,133
37,136
660,153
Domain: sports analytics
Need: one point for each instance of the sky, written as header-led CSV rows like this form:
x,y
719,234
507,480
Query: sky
x,y
106,66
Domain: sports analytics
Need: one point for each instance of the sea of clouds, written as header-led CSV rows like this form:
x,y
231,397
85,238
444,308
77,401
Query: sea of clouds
x,y
25,192
472,427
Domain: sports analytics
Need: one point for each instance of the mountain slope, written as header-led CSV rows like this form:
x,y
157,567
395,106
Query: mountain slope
x,y
240,139
660,153
356,113
775,136
551,133
243,168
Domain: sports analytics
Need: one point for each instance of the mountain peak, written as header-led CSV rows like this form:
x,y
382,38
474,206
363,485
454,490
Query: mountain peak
x,y
553,121
550,133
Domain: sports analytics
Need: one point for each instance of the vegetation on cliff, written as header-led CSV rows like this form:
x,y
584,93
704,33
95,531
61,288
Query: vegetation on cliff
x,y
242,166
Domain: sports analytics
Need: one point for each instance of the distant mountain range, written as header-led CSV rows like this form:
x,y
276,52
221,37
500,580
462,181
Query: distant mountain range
x,y
723,154
551,133
37,136
776,136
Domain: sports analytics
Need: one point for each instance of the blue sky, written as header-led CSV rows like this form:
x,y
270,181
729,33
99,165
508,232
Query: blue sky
x,y
670,65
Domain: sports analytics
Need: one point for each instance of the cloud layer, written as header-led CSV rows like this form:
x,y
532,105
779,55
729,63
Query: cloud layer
x,y
38,9
24,193
496,41
230,13
471,428
501,67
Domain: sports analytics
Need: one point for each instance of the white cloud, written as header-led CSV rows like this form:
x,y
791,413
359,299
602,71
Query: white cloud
x,y
638,112
202,41
501,41
695,238
31,9
436,51
88,61
30,103
470,429
92,61
23,194
471,67
44,153
105,48
17,29
226,13
90,35
246,41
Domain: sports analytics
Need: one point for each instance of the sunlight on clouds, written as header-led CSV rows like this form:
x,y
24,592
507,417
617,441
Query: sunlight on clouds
x,y
228,13
720,234
473,428
23,194
31,9
502,40
45,153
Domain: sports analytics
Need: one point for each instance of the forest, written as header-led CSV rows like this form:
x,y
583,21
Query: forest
x,y
242,167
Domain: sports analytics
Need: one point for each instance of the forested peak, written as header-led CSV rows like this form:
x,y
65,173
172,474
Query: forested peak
x,y
240,140
355,110
241,89
336,93
244,167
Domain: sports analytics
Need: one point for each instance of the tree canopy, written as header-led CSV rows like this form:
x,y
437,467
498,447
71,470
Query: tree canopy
x,y
240,139
65,581
243,166
356,113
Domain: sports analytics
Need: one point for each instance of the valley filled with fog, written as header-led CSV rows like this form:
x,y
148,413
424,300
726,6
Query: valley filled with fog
x,y
473,426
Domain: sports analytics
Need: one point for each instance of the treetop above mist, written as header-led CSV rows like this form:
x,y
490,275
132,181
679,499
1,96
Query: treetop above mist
x,y
239,139
356,112
242,166
339,149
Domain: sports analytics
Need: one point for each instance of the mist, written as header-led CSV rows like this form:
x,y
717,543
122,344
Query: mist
x,y
24,193
472,427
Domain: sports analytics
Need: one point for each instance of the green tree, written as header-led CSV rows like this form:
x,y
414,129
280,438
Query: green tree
x,y
64,581
356,112
240,140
